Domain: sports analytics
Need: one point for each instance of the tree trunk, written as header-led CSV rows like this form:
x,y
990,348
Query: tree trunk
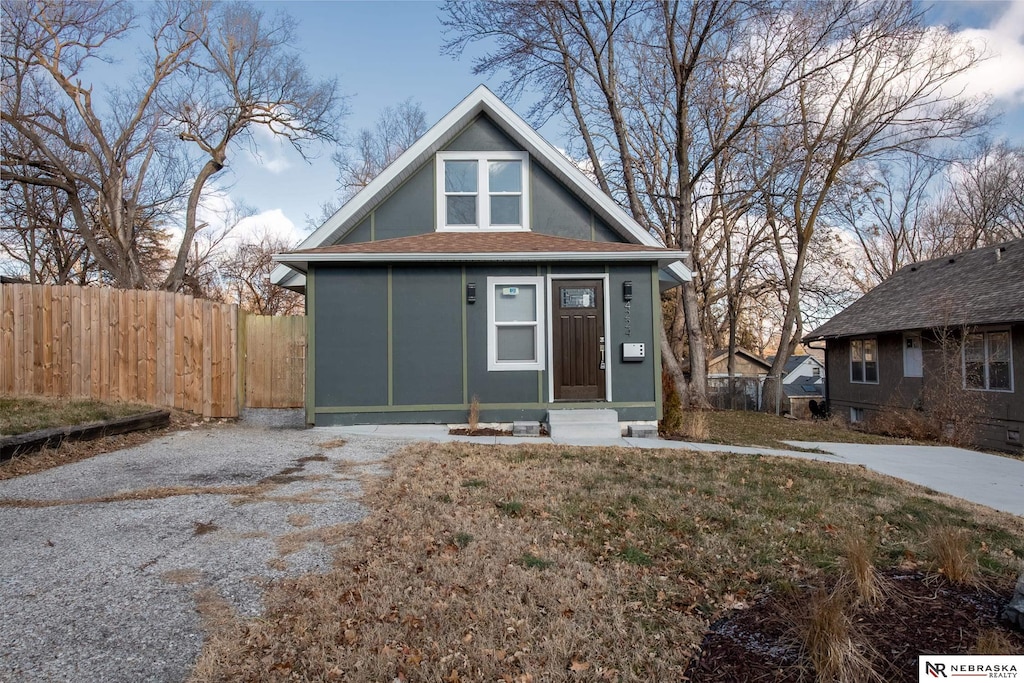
x,y
175,278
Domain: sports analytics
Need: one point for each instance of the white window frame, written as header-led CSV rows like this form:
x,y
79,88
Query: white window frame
x,y
864,364
920,349
483,194
539,347
856,415
963,359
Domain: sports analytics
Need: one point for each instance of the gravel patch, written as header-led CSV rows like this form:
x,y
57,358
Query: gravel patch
x,y
107,591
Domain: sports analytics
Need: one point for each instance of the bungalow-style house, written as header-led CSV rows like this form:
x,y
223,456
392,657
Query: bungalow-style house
x,y
743,391
955,322
482,265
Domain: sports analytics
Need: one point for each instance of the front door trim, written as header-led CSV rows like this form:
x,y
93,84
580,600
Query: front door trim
x,y
609,356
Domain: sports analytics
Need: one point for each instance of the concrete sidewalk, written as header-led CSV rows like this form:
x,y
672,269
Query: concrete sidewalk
x,y
991,480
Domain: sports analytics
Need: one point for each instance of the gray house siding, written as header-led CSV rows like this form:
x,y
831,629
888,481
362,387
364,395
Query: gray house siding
x,y
1000,411
410,210
401,344
351,322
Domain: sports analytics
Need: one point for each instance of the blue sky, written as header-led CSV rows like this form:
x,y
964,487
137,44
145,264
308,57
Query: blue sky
x,y
383,52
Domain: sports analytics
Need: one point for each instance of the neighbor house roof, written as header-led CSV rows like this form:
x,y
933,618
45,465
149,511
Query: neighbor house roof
x,y
794,361
480,101
979,287
804,386
477,246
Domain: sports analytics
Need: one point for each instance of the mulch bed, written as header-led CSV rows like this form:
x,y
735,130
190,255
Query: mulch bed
x,y
483,431
922,615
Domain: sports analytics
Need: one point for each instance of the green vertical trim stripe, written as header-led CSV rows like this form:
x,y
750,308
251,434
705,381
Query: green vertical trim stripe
x,y
656,343
373,226
391,344
465,340
310,346
593,228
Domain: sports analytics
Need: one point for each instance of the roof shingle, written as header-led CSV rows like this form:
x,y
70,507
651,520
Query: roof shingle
x,y
479,243
979,287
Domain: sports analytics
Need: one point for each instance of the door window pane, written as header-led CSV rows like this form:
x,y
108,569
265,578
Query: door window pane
x,y
515,303
505,176
578,297
505,210
515,343
460,176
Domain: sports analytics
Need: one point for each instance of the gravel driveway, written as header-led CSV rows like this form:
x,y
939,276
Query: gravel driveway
x,y
102,561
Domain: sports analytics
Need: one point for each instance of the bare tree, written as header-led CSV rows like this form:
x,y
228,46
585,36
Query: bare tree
x,y
885,95
245,270
888,207
244,73
372,150
984,201
129,161
110,157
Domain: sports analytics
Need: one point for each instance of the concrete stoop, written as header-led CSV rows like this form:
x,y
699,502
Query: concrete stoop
x,y
584,424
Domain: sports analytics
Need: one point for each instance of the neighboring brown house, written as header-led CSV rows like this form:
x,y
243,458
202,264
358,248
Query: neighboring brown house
x,y
748,364
952,323
743,392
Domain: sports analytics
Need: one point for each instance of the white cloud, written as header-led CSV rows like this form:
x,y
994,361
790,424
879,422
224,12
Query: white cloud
x,y
1002,74
268,151
273,223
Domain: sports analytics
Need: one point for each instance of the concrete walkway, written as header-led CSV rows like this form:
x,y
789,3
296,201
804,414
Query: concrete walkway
x,y
991,480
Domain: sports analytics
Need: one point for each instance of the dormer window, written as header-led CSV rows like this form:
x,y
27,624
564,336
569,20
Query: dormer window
x,y
482,191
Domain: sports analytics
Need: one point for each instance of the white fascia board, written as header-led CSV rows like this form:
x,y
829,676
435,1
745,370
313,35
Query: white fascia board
x,y
300,261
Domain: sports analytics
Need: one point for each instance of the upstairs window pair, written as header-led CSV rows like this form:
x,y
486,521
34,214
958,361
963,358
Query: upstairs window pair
x,y
482,191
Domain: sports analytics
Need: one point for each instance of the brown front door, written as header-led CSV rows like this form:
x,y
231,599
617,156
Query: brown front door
x,y
577,321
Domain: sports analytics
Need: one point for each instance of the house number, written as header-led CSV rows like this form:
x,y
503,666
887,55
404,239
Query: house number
x,y
627,318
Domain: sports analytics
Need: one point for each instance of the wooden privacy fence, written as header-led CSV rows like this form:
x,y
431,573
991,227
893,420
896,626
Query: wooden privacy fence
x,y
153,347
274,348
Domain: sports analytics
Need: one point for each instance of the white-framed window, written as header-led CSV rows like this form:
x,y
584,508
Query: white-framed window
x,y
482,191
913,361
864,361
515,323
815,371
856,415
988,361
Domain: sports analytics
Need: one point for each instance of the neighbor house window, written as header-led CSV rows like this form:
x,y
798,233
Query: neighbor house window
x,y
482,191
515,323
864,361
987,361
856,415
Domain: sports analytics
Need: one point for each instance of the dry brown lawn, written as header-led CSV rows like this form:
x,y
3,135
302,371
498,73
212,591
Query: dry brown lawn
x,y
561,563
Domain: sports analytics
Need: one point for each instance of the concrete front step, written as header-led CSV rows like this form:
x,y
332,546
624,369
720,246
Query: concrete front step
x,y
584,423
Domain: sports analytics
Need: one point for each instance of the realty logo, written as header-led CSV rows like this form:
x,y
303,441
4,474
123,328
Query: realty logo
x,y
992,667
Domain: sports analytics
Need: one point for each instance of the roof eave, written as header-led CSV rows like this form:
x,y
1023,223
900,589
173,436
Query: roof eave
x,y
300,262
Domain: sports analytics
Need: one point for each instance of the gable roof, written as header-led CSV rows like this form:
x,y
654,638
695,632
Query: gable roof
x,y
480,101
477,246
979,287
718,354
794,361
